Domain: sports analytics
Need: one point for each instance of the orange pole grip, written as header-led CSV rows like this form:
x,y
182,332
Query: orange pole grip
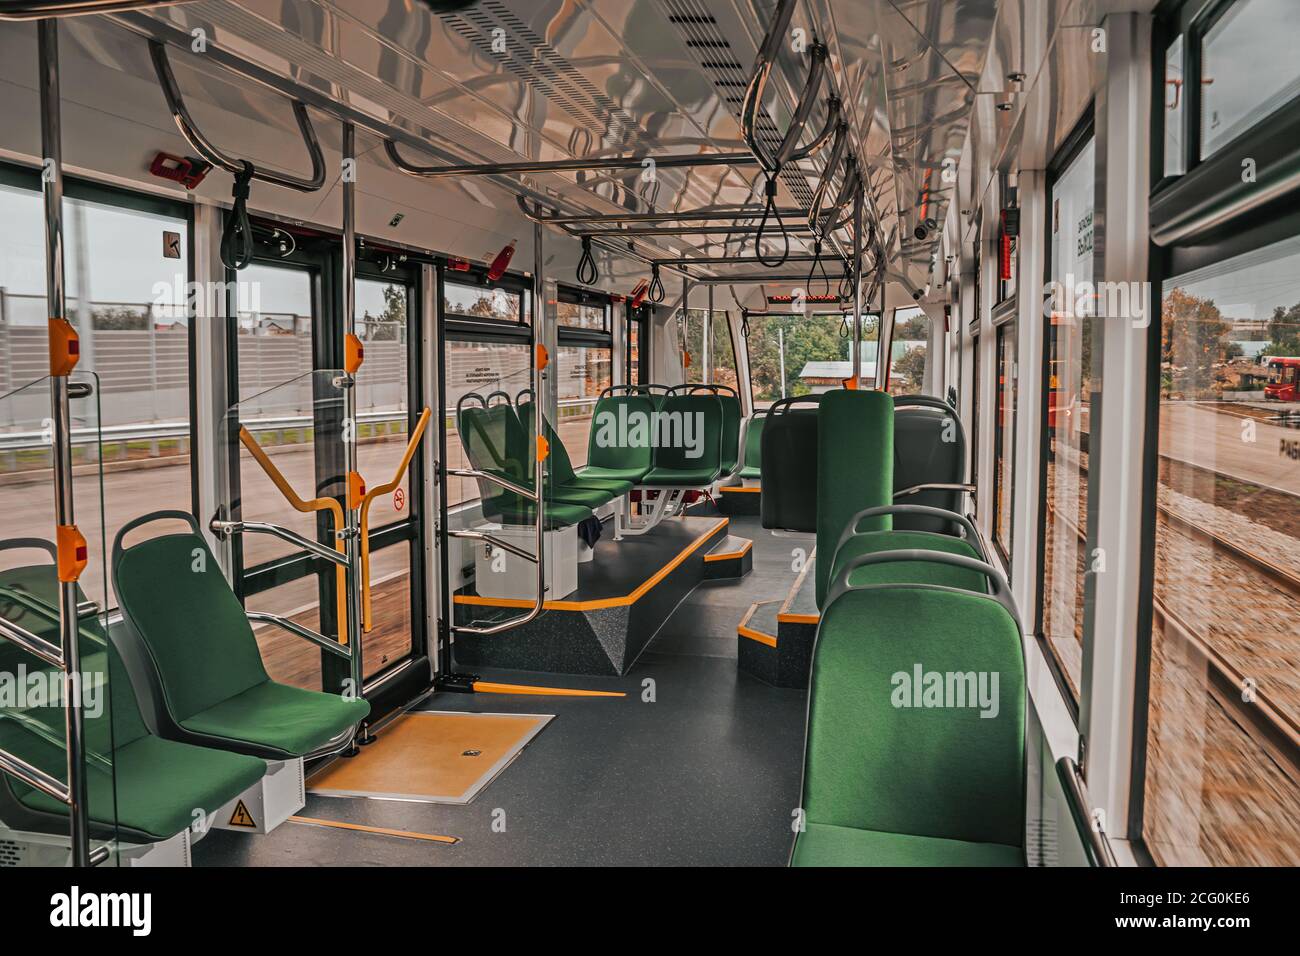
x,y
65,347
543,357
307,507
73,554
354,353
371,495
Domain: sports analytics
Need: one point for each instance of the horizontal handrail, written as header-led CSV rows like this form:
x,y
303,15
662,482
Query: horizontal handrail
x,y
935,486
34,776
1087,822
33,644
293,627
495,542
506,483
224,528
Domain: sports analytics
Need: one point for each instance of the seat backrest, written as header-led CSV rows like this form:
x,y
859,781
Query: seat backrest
x,y
914,572
929,447
789,465
178,604
730,432
916,716
559,465
622,434
688,433
855,467
752,453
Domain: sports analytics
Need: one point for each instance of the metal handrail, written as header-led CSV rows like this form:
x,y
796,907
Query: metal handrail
x,y
293,627
496,542
582,164
209,151
33,644
34,776
758,81
224,528
1087,822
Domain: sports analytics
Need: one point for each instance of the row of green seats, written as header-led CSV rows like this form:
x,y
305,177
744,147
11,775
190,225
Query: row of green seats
x,y
914,751
192,715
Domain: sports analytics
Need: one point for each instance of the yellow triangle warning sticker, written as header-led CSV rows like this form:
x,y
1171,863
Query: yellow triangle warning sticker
x,y
241,817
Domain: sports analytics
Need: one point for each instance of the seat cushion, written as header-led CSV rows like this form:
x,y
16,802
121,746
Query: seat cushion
x,y
825,845
155,786
680,477
632,475
278,720
585,496
510,509
751,471
612,486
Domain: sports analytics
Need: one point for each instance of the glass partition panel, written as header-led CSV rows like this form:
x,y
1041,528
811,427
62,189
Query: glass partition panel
x,y
583,372
34,685
478,367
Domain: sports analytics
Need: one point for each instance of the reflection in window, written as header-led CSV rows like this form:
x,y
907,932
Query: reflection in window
x,y
1225,649
1074,363
477,302
690,330
911,342
1004,431
1175,93
573,315
1248,68
583,373
481,368
126,293
724,356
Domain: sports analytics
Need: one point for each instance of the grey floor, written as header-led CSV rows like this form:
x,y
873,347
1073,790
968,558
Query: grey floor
x,y
705,773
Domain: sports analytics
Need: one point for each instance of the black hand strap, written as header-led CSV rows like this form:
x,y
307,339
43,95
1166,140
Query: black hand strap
x,y
237,238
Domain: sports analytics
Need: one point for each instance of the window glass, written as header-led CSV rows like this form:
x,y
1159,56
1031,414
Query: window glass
x,y
691,338
382,393
976,385
791,355
390,637
480,302
1248,68
288,658
126,278
633,372
1225,649
479,367
1073,345
911,343
724,356
1175,91
572,315
1004,430
274,340
583,373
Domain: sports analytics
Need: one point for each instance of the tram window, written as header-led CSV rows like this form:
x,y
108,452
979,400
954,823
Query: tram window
x,y
791,355
975,412
724,355
1260,33
691,337
391,634
583,373
275,306
479,366
482,302
1073,343
1175,163
633,357
1224,602
909,351
126,273
575,315
1004,429
383,388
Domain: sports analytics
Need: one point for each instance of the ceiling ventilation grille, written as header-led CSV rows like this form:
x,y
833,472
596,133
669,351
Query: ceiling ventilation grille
x,y
699,31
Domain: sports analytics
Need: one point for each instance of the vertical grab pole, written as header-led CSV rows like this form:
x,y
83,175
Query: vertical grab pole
x,y
539,431
63,353
351,363
857,294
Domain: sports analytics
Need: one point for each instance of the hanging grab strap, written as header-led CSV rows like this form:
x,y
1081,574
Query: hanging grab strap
x,y
655,292
587,273
769,210
237,237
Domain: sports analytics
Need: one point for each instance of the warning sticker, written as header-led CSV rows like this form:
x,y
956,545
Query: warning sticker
x,y
241,817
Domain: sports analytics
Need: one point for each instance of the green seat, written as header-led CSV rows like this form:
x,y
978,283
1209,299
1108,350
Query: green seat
x,y
915,746
563,484
729,458
620,447
853,543
212,686
789,465
929,448
688,444
752,457
825,845
139,788
855,467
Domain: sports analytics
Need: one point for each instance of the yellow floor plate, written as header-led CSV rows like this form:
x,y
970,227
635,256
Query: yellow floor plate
x,y
430,757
